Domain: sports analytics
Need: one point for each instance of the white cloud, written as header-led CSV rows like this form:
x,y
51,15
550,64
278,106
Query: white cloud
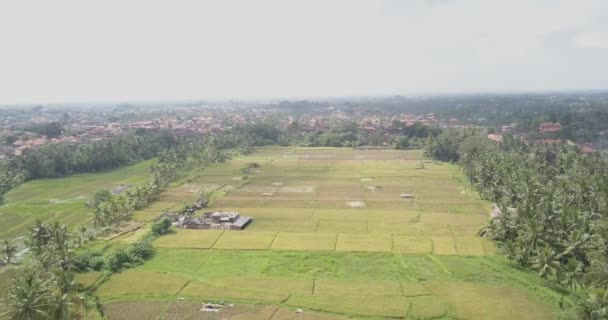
x,y
71,50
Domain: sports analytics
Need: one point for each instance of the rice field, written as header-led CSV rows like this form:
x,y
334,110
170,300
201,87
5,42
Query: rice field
x,y
333,236
61,199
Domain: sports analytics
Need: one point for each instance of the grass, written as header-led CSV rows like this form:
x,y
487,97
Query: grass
x,y
470,246
364,242
187,238
444,246
191,311
245,240
412,245
370,305
490,302
279,285
87,279
305,241
414,289
136,310
61,199
207,291
347,287
427,308
141,283
145,215
6,274
287,314
307,248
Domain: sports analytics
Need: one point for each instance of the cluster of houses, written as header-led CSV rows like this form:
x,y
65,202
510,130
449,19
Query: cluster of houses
x,y
320,121
549,127
410,119
93,129
22,146
222,220
219,220
545,129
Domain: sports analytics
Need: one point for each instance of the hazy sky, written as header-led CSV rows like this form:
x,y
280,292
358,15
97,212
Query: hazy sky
x,y
104,50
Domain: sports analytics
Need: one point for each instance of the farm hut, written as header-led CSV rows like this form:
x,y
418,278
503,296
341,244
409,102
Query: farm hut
x,y
407,196
241,223
211,307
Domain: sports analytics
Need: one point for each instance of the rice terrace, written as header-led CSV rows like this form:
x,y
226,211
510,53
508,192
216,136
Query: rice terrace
x,y
332,238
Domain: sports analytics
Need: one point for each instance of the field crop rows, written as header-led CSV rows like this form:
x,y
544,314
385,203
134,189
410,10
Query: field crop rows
x,y
332,234
310,241
353,284
61,199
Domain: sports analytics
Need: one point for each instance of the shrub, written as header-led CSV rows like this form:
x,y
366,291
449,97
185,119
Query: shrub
x,y
117,259
82,262
161,227
96,263
142,250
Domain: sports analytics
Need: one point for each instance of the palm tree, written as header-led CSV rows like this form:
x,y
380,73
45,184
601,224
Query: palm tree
x,y
510,250
8,250
595,307
597,275
533,234
64,296
572,272
38,237
82,230
28,296
545,262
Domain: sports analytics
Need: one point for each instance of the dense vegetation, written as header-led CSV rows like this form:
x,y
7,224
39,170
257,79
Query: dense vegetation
x,y
109,209
62,159
46,288
552,209
55,160
582,120
347,134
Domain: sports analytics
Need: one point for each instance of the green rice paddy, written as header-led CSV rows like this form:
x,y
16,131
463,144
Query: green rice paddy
x,y
61,199
333,236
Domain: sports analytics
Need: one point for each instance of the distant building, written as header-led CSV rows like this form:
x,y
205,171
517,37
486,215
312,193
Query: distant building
x,y
549,127
495,137
549,141
587,149
506,129
215,220
21,151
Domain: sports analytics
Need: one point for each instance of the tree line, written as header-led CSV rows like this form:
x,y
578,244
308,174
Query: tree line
x,y
109,209
63,159
45,287
551,210
347,134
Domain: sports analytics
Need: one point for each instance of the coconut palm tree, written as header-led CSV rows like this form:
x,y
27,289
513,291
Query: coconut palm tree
x,y
572,273
64,294
8,250
28,296
595,306
597,276
38,237
510,250
545,263
83,230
